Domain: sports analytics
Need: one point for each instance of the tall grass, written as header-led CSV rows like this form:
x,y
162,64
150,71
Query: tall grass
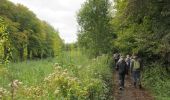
x,y
157,79
29,72
79,78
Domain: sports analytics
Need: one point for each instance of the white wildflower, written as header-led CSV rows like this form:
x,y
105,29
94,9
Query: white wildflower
x,y
56,91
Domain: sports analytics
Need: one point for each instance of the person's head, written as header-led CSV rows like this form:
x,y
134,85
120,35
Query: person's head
x,y
135,57
127,56
122,57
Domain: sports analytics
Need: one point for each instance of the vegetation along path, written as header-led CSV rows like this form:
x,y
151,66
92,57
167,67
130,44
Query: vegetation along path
x,y
130,93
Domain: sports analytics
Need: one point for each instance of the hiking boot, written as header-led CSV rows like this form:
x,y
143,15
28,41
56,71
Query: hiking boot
x,y
140,86
120,88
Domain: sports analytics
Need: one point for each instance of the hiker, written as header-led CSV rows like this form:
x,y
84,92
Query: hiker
x,y
121,66
116,57
136,68
128,61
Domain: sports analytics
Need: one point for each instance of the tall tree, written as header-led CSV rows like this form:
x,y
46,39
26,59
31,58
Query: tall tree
x,y
96,33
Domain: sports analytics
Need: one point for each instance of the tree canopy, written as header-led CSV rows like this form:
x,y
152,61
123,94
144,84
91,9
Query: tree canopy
x,y
29,37
144,27
96,33
133,27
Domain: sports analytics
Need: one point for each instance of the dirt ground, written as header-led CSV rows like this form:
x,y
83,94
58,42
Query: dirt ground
x,y
130,93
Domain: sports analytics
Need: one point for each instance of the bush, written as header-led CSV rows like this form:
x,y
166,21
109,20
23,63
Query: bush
x,y
157,79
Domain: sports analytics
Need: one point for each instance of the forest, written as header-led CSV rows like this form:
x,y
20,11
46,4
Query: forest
x,y
38,65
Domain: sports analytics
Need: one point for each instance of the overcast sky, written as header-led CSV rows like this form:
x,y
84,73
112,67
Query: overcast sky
x,y
61,14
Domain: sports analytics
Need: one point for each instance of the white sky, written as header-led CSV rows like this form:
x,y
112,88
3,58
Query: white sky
x,y
61,14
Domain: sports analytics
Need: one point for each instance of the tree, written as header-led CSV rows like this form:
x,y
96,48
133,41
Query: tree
x,y
96,33
144,25
29,37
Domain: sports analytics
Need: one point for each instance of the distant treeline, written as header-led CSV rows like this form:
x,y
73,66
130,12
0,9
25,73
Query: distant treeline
x,y
28,37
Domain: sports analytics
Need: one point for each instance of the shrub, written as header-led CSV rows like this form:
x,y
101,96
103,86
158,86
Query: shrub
x,y
157,79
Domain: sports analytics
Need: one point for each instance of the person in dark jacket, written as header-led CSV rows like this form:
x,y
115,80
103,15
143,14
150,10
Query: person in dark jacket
x,y
121,67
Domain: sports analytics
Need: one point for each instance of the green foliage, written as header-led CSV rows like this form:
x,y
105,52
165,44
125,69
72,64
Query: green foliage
x,y
143,27
96,32
157,79
74,77
85,68
4,44
2,38
29,37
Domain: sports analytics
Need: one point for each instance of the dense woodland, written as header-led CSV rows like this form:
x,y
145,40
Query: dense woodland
x,y
128,26
28,37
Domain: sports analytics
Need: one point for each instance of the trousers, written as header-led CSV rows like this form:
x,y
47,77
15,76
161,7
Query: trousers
x,y
121,79
136,77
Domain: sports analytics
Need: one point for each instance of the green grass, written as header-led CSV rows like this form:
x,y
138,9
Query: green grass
x,y
29,72
94,75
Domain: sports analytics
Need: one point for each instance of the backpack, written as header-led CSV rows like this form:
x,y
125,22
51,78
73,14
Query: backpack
x,y
136,65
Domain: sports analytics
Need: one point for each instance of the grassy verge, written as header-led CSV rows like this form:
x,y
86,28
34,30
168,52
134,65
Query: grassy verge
x,y
157,79
70,76
30,72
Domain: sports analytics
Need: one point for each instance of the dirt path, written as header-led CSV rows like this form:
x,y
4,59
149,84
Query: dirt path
x,y
130,93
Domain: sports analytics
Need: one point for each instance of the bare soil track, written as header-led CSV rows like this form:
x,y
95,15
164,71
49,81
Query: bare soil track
x,y
130,93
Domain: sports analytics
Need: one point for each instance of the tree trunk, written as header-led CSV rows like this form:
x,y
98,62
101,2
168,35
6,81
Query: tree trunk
x,y
21,54
28,53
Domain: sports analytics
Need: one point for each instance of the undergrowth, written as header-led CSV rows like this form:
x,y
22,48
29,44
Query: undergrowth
x,y
157,79
70,76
